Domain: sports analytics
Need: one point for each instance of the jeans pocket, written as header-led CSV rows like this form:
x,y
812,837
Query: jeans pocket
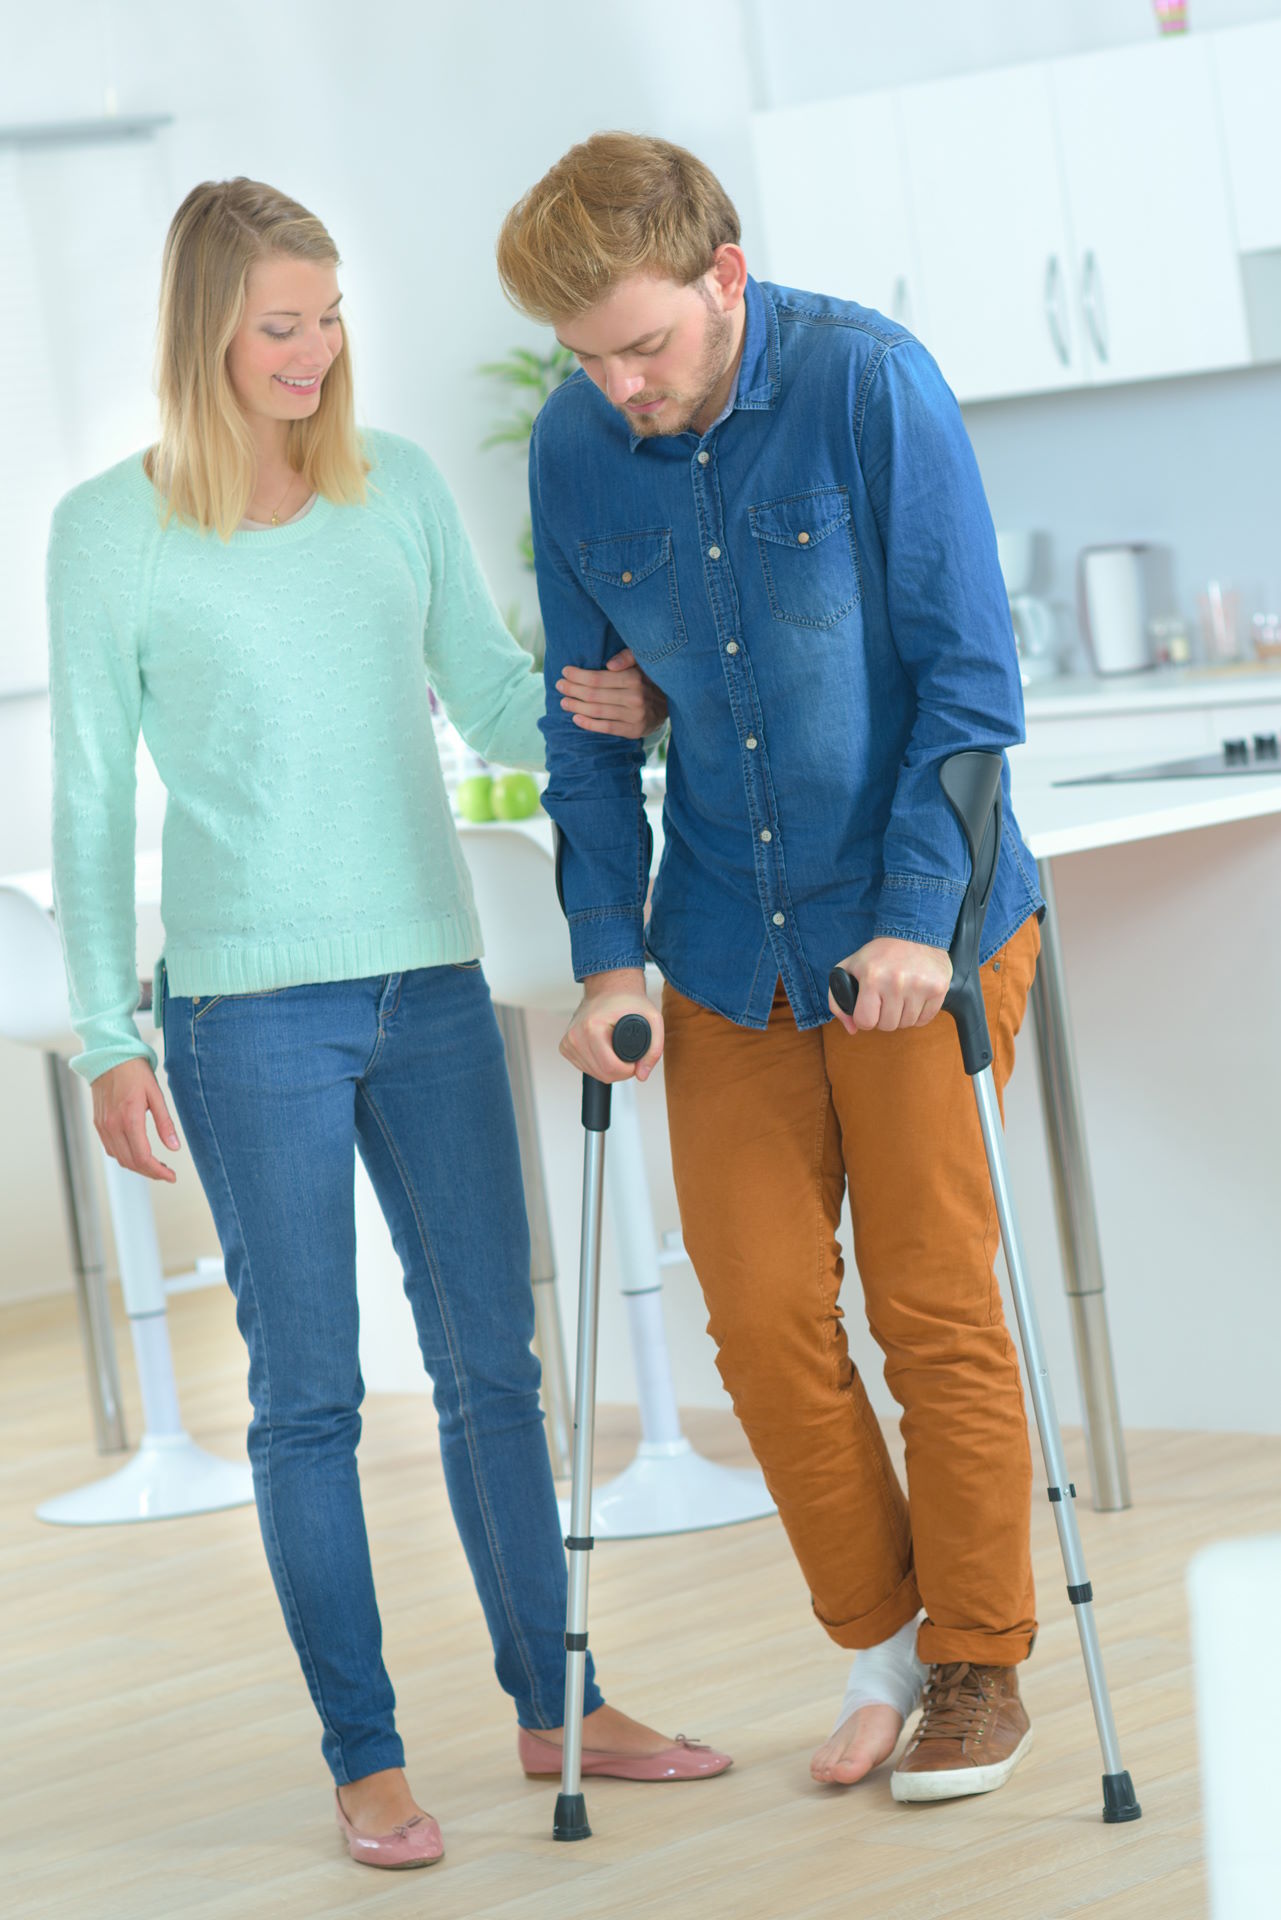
x,y
199,1007
632,578
465,966
808,556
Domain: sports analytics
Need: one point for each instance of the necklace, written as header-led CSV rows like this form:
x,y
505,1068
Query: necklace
x,y
275,512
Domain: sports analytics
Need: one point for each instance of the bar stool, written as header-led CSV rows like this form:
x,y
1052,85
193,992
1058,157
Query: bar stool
x,y
169,1474
668,1488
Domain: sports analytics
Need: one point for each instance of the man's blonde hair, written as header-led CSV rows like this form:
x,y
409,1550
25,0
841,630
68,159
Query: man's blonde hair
x,y
204,464
617,204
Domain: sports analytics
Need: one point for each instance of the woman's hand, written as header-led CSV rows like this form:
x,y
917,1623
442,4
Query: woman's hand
x,y
122,1099
618,699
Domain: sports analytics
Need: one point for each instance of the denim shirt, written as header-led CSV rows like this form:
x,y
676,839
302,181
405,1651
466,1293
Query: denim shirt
x,y
814,585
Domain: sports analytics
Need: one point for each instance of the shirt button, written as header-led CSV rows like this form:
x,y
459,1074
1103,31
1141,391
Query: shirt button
x,y
703,459
713,553
627,579
779,919
803,539
767,835
731,646
751,742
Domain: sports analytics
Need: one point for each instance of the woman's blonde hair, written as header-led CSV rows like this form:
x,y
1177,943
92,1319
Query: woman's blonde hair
x,y
617,204
204,464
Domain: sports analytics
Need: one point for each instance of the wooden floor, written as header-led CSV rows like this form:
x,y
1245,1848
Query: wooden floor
x,y
160,1756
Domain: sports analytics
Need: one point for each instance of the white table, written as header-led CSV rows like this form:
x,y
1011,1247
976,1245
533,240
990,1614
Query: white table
x,y
1056,821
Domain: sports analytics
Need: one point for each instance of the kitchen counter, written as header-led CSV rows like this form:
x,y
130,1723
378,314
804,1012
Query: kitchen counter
x,y
1084,695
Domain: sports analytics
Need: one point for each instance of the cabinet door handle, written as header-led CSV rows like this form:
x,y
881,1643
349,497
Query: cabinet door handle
x,y
1054,308
1092,301
901,305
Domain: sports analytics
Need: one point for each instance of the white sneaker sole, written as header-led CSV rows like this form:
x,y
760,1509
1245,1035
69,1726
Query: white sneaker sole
x,y
954,1783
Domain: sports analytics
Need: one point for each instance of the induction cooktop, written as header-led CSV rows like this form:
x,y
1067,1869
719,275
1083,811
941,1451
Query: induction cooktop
x,y
1261,755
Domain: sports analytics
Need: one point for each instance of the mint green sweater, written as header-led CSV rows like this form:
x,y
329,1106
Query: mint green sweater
x,y
280,682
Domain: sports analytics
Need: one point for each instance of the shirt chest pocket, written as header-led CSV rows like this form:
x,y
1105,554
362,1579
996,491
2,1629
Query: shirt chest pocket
x,y
632,578
808,556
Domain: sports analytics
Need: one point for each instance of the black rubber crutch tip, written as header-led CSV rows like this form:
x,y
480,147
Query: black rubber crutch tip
x,y
632,1037
843,988
570,1820
1119,1802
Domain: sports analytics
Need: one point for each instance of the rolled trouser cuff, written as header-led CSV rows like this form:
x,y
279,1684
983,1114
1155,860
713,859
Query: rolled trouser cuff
x,y
869,1629
983,1647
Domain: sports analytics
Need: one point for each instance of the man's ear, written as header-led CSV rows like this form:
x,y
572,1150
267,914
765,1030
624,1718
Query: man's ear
x,y
727,276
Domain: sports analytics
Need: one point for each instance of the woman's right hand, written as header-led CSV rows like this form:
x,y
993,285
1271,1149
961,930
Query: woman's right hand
x,y
122,1099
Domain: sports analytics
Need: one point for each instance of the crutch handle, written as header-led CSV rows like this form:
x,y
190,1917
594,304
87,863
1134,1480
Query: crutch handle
x,y
632,1037
843,988
631,1041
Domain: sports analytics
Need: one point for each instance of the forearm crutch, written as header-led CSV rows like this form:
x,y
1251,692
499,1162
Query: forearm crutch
x,y
972,783
631,1042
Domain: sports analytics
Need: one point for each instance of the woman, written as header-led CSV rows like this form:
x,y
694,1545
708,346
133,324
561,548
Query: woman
x,y
259,594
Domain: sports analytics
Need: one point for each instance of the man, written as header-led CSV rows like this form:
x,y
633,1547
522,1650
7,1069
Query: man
x,y
769,496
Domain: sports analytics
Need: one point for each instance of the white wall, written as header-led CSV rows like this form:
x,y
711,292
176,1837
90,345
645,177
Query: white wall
x,y
826,48
410,129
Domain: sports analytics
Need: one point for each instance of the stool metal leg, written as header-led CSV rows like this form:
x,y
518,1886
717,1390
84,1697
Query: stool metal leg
x,y
84,1232
549,1339
1077,1222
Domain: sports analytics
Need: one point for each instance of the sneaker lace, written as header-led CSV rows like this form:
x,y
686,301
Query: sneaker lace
x,y
957,1697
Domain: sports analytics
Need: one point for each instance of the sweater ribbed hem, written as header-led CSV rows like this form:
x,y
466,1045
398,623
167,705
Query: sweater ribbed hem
x,y
345,956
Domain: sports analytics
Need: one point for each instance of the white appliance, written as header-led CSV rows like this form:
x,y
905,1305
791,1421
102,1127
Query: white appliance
x,y
1032,618
1112,603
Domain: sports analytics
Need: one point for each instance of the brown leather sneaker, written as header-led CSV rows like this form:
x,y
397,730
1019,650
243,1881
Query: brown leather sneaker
x,y
971,1735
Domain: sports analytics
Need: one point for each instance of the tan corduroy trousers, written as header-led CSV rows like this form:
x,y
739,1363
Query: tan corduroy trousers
x,y
766,1130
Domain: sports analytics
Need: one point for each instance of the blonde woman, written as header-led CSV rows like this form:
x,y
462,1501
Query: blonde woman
x,y
265,594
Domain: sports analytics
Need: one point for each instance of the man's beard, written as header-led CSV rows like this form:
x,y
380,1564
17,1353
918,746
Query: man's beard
x,y
707,376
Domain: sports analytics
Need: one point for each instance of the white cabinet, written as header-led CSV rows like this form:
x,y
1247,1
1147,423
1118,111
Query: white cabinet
x,y
1046,226
834,203
1157,277
1247,61
994,239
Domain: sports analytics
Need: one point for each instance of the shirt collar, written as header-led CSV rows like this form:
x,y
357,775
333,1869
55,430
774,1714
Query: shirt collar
x,y
759,366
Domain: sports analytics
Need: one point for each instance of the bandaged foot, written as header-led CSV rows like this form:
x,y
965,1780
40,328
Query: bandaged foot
x,y
884,1687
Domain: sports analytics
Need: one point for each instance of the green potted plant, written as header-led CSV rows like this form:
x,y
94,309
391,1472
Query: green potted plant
x,y
526,378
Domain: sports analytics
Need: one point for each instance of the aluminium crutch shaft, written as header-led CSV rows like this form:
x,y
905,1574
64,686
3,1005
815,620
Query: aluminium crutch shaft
x,y
632,1038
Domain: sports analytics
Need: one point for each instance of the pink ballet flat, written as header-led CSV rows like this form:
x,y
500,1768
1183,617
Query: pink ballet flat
x,y
683,1760
416,1844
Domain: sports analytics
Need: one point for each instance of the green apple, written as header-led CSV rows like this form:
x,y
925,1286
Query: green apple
x,y
475,797
515,796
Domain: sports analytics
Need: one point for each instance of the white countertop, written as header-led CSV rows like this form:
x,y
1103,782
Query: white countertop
x,y
1054,820
1074,695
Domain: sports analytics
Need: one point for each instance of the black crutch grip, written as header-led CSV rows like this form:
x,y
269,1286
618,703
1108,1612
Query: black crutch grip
x,y
843,988
631,1040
